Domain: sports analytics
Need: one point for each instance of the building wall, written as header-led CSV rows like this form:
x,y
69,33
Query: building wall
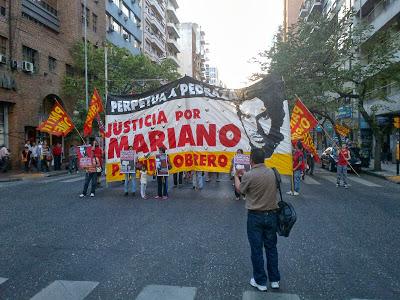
x,y
124,23
291,13
172,31
187,43
29,99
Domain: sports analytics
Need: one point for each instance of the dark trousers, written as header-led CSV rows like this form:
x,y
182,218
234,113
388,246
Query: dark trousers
x,y
261,232
162,188
237,194
178,178
90,177
45,165
57,162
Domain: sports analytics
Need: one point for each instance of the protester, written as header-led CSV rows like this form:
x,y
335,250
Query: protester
x,y
385,153
259,185
143,181
26,158
178,178
35,156
73,159
91,174
310,163
46,157
208,176
4,159
98,152
130,177
57,152
298,167
198,180
344,157
233,172
162,180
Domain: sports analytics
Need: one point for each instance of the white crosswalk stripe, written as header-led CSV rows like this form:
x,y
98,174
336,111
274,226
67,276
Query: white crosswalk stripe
x,y
251,295
310,180
2,280
363,181
167,292
74,179
57,178
66,290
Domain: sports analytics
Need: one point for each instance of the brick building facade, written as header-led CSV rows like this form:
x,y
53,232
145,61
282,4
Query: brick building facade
x,y
35,39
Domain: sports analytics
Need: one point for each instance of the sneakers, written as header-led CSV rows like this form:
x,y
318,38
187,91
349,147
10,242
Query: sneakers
x,y
157,197
346,186
275,285
294,193
165,197
261,288
82,195
337,185
91,194
237,198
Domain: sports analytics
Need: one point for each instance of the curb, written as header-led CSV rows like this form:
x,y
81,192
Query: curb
x,y
374,174
10,179
56,173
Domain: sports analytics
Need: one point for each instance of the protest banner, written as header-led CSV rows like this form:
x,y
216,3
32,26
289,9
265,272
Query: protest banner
x,y
162,164
241,162
58,123
200,125
84,153
301,121
128,159
95,107
308,143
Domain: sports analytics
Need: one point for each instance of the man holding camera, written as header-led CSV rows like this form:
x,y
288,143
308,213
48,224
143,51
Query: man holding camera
x,y
259,186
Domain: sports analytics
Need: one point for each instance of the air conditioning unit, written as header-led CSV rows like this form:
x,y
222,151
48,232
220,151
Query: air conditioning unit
x,y
125,36
120,11
14,64
111,28
126,18
27,67
3,59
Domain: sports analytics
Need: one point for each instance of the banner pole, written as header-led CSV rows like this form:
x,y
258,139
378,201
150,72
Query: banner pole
x,y
335,144
80,135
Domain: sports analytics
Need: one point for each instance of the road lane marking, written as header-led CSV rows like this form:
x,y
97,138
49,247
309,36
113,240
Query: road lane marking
x,y
363,181
74,179
57,178
310,180
251,295
330,178
66,290
167,292
2,280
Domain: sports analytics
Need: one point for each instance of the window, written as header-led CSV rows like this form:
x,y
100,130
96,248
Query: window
x,y
3,45
3,8
94,22
125,10
52,64
69,70
87,15
30,55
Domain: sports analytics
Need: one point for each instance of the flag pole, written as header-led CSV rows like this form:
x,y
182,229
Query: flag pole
x,y
80,135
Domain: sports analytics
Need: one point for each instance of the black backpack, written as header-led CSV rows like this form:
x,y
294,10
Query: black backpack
x,y
287,215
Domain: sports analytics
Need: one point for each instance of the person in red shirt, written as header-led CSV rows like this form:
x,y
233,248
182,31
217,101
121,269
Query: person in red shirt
x,y
57,152
298,168
344,157
98,152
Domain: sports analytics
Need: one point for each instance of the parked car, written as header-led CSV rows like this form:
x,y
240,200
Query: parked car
x,y
329,159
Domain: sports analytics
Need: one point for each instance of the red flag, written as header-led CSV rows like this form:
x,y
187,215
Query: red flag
x,y
95,107
308,143
301,121
58,122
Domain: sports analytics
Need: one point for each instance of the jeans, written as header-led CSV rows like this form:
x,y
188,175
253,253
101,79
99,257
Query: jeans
x,y
57,162
261,232
296,179
143,189
45,165
73,164
341,173
131,177
162,186
237,194
178,178
198,179
90,177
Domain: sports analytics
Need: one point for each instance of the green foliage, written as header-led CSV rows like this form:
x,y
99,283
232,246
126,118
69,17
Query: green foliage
x,y
126,74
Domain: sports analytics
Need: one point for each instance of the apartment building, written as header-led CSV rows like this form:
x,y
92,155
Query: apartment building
x,y
172,31
154,29
35,40
192,56
291,10
124,24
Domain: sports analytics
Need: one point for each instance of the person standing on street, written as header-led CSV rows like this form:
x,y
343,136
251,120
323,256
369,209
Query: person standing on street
x,y
57,152
259,185
45,157
98,152
130,177
26,158
343,160
73,160
233,172
91,174
35,156
162,181
298,168
143,181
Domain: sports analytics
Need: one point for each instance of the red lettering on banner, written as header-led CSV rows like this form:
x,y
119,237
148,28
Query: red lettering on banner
x,y
186,136
114,169
178,161
139,144
147,121
211,160
117,130
127,127
171,138
210,136
178,115
156,139
162,118
195,159
188,160
114,148
196,113
236,135
203,159
222,160
188,114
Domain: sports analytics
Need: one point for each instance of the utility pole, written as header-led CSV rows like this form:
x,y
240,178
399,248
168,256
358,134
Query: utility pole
x,y
86,54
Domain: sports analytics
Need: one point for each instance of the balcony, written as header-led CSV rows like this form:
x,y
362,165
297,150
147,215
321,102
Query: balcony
x,y
174,58
42,12
156,41
160,9
171,14
382,13
303,11
174,4
156,22
315,6
172,30
173,44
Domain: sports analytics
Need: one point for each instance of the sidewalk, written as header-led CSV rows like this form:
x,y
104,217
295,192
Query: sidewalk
x,y
388,171
17,175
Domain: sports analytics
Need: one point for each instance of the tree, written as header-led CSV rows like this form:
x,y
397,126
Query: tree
x,y
127,74
330,62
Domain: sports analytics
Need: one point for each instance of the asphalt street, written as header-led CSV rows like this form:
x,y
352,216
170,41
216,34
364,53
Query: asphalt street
x,y
345,244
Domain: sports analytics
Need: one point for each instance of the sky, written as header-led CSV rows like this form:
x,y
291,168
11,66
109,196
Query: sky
x,y
236,31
